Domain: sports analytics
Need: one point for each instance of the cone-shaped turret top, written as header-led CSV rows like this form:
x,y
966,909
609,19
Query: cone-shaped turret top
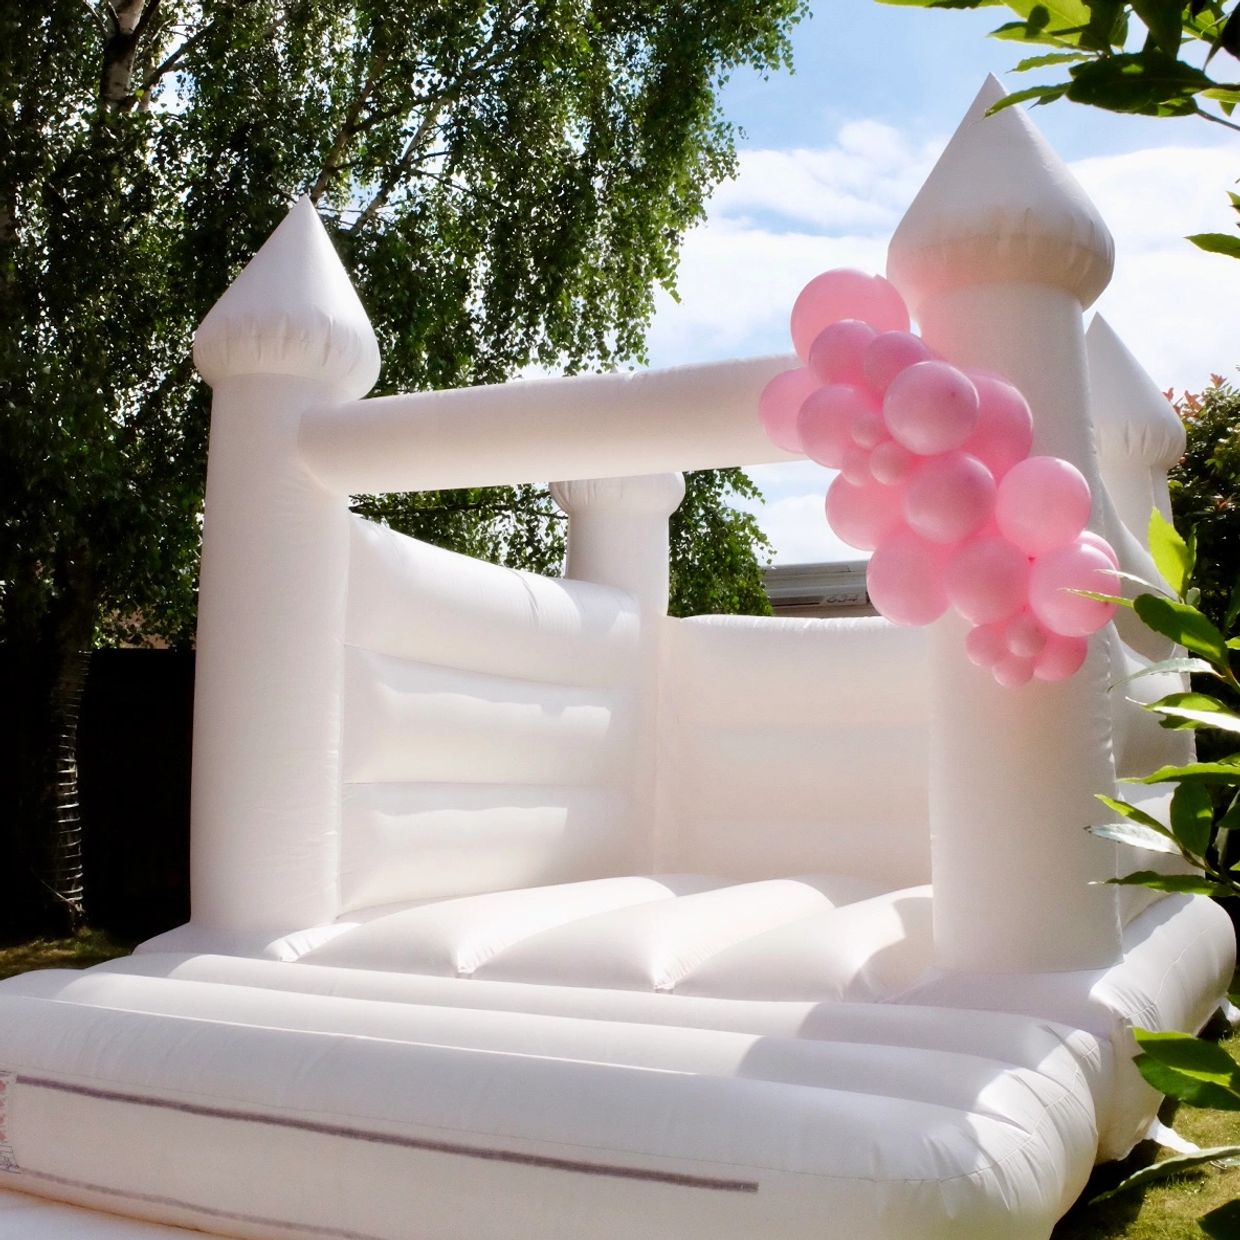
x,y
291,311
1132,417
1000,206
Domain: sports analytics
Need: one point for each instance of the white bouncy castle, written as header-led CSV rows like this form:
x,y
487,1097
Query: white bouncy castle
x,y
522,911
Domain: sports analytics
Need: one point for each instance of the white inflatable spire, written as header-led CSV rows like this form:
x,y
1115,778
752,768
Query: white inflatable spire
x,y
291,311
997,256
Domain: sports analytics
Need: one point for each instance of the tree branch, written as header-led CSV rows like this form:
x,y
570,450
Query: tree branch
x,y
178,54
348,130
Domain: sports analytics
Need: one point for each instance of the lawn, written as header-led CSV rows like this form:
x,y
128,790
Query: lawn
x,y
1166,1211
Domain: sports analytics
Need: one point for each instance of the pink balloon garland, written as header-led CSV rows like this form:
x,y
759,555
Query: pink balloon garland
x,y
938,482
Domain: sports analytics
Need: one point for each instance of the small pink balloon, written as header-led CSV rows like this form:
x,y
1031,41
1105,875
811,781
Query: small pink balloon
x,y
1090,539
1012,671
845,294
863,516
1004,433
1053,581
868,430
1043,503
779,404
931,408
837,352
891,463
949,498
891,353
905,579
856,466
1024,636
987,580
984,645
826,420
1061,657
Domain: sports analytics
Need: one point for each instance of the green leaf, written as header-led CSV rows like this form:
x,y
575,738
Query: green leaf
x,y
1166,1168
1150,83
1135,836
1199,709
1117,599
1217,243
1187,1087
1164,20
1185,625
1222,1223
1172,556
1133,813
1181,663
1183,884
1233,608
1196,1056
1192,818
1231,819
1050,58
1224,771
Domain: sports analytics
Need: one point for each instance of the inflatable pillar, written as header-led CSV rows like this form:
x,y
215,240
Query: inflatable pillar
x,y
997,257
288,335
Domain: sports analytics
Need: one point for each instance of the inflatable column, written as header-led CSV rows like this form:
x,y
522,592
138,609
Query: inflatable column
x,y
617,536
289,334
997,257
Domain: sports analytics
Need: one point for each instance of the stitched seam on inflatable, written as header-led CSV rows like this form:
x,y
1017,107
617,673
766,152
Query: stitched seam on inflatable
x,y
487,1154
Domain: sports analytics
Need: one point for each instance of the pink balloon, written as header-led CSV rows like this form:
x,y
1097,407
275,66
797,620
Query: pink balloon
x,y
863,516
868,430
949,498
891,463
984,645
987,579
1004,433
891,353
1090,539
837,352
905,579
1043,503
1061,657
826,420
931,408
845,294
779,404
1052,581
856,466
1024,636
1012,671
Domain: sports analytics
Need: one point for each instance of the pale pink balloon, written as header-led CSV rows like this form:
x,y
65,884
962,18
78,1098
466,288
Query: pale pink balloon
x,y
779,404
868,430
892,463
1004,433
1012,671
891,353
984,644
826,420
1043,503
949,498
1056,576
987,580
845,294
1090,539
905,579
931,408
856,466
1061,657
1024,636
837,352
863,516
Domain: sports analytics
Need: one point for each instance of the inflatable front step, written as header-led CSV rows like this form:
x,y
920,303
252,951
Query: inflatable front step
x,y
270,1113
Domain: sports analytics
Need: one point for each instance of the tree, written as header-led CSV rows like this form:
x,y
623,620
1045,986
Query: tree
x,y
1150,57
507,181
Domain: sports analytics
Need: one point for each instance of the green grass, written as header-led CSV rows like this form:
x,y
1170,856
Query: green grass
x,y
1164,1211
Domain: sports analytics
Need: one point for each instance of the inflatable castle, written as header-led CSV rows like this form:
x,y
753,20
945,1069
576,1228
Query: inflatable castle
x,y
523,911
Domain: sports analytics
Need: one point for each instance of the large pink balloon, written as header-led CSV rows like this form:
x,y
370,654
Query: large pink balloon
x,y
987,579
931,408
1043,503
984,645
1061,657
1004,431
863,516
1056,576
825,422
949,498
837,352
1096,540
891,353
779,404
856,466
845,294
905,579
892,463
1024,636
1012,671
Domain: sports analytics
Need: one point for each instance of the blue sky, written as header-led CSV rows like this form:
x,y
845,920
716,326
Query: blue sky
x,y
831,157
